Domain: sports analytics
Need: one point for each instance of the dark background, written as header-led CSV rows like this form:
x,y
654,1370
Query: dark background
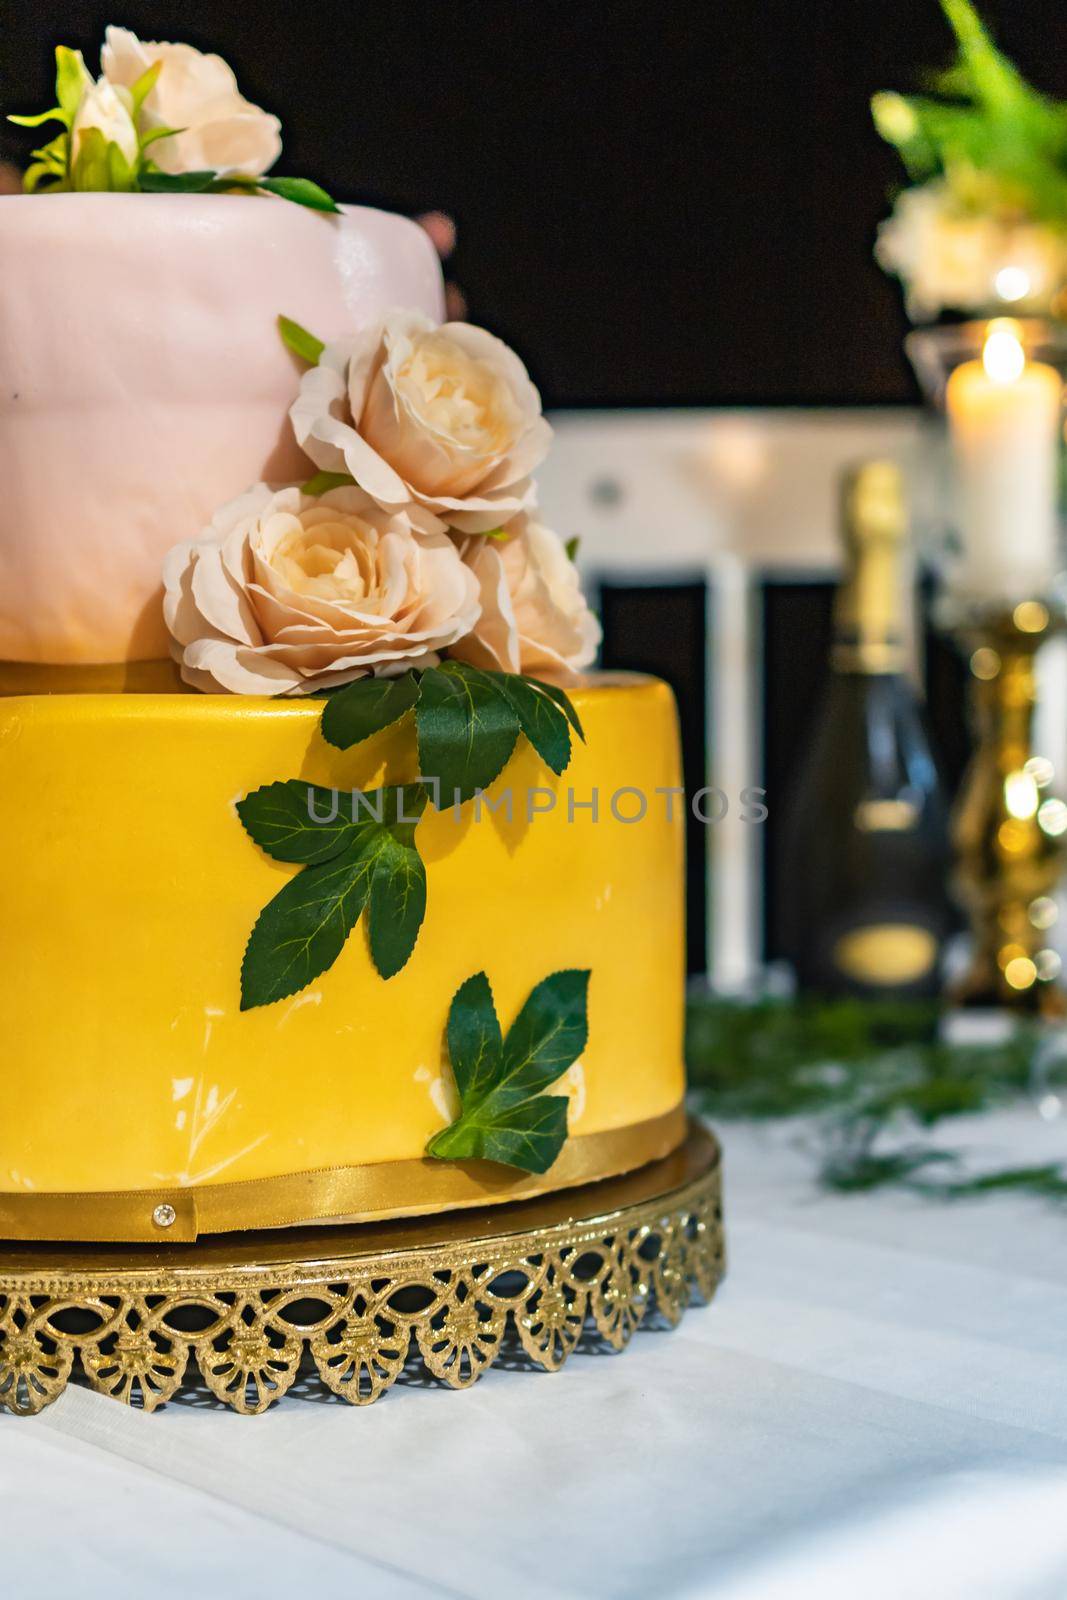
x,y
657,202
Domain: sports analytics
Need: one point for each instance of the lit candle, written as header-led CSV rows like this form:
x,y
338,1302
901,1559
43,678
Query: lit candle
x,y
1004,422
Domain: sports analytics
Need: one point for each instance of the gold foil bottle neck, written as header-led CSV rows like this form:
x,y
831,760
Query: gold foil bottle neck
x,y
869,612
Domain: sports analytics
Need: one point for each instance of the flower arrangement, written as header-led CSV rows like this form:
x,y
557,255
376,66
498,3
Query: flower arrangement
x,y
416,539
984,223
160,119
407,580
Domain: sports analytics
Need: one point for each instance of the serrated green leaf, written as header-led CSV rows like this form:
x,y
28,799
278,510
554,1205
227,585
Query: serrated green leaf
x,y
529,1136
549,1033
364,854
303,929
323,482
542,721
300,341
562,700
72,80
475,1043
397,905
367,706
301,191
153,182
466,727
139,92
301,822
505,1116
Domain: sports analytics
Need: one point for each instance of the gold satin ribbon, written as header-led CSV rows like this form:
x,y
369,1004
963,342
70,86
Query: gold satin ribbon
x,y
373,1192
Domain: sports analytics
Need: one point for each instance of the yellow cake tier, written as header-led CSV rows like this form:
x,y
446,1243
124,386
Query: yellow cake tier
x,y
131,1080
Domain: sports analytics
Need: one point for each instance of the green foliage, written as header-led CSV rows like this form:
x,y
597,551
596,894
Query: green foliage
x,y
505,1114
139,94
367,706
1001,144
301,191
303,344
869,1071
467,728
72,80
153,182
467,722
540,719
368,855
101,165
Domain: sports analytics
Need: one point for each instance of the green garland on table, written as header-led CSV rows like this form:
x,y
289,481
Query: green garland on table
x,y
869,1071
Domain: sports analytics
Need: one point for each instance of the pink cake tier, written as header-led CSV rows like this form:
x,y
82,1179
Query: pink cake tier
x,y
143,384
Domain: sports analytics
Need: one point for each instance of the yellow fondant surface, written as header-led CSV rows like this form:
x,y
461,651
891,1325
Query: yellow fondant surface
x,y
129,889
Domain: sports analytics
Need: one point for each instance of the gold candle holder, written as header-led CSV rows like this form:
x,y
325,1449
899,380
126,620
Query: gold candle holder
x,y
1009,831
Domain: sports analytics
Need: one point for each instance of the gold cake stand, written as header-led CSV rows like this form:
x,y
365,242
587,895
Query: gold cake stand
x,y
356,1308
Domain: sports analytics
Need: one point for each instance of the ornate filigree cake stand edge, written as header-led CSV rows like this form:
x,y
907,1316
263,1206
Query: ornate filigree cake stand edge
x,y
358,1307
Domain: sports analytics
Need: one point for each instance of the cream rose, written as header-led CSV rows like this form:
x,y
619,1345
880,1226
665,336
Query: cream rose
x,y
534,617
285,593
441,421
104,107
221,130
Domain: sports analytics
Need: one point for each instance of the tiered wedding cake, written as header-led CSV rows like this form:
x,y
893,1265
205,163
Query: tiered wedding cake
x,y
301,784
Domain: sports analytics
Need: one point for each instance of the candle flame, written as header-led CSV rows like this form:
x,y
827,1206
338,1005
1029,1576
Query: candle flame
x,y
1003,355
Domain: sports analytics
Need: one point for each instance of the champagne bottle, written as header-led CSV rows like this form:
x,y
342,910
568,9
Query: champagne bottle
x,y
867,850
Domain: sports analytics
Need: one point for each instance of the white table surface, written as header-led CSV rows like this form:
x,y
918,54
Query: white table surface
x,y
875,1405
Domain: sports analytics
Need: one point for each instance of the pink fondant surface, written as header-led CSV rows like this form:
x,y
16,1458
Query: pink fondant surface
x,y
143,383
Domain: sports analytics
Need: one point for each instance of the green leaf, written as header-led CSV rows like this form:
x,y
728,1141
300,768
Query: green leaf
x,y
300,341
176,182
303,929
547,1035
505,1116
372,858
572,547
54,153
367,706
397,904
323,482
301,191
39,173
529,1136
475,1043
541,719
139,93
298,821
72,80
467,728
57,114
562,700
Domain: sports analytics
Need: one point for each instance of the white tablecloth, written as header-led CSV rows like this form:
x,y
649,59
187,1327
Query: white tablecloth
x,y
875,1405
